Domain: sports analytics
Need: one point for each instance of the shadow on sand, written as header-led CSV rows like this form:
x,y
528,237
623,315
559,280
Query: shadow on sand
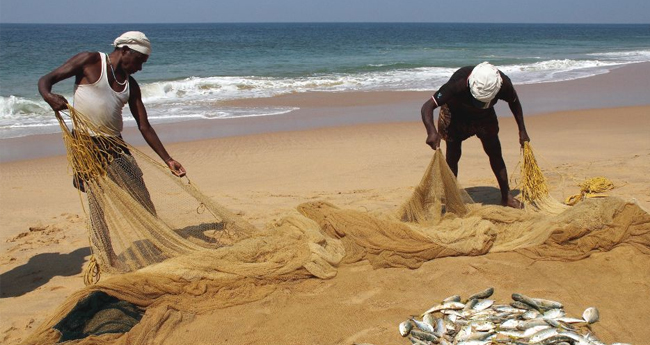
x,y
39,270
487,195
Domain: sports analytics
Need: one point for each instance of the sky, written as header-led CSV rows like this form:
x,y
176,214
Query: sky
x,y
214,11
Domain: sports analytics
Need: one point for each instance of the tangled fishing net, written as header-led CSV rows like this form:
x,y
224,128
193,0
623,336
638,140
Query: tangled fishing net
x,y
184,255
133,224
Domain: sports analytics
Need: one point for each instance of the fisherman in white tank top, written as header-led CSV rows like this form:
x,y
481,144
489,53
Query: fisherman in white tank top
x,y
101,103
103,85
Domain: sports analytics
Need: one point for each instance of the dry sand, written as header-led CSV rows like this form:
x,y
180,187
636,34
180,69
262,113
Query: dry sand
x,y
44,243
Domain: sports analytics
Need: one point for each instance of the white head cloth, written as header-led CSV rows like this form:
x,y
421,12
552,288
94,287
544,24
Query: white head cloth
x,y
135,40
485,82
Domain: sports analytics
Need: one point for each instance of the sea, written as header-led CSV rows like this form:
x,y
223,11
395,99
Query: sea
x,y
194,68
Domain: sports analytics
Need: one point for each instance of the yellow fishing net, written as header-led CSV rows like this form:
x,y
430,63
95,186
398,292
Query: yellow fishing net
x,y
437,194
534,187
209,258
139,213
591,188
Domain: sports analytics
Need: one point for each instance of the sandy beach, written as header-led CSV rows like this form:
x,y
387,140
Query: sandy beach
x,y
364,152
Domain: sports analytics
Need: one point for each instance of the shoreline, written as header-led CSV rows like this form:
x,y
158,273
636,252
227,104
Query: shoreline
x,y
325,109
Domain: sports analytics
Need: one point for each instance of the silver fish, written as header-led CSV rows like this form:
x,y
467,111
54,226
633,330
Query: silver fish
x,y
577,338
453,318
464,333
511,324
499,318
450,328
593,339
483,294
422,326
548,304
416,341
405,328
445,306
483,314
512,334
509,309
481,335
483,304
483,326
527,300
475,342
470,304
570,320
536,329
543,334
440,328
424,336
554,313
429,319
591,315
521,305
450,312
532,323
553,323
531,314
454,298
554,340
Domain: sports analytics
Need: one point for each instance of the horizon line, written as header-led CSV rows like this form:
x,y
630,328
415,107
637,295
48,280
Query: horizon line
x,y
323,22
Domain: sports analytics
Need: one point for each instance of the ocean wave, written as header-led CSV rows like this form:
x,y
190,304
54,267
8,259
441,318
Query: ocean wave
x,y
218,89
626,56
557,70
204,97
13,106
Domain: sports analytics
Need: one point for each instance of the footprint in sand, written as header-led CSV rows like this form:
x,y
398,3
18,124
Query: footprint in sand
x,y
364,333
363,296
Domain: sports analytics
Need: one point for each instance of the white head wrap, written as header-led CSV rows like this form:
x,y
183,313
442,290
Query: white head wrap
x,y
485,82
135,40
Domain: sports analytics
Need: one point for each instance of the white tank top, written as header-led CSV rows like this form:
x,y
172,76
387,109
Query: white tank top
x,y
101,104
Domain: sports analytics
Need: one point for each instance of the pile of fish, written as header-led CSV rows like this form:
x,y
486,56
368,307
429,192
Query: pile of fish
x,y
479,321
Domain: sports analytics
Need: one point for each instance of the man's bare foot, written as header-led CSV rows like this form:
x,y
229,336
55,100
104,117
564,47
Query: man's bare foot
x,y
512,202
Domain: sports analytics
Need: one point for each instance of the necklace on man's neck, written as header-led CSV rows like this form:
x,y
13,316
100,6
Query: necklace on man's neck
x,y
113,71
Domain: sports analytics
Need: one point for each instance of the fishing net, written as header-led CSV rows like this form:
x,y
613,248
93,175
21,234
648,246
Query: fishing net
x,y
134,223
437,194
534,187
214,259
591,188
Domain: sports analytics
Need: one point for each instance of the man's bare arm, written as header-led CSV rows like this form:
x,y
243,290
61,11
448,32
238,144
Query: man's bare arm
x,y
433,139
518,113
148,133
73,67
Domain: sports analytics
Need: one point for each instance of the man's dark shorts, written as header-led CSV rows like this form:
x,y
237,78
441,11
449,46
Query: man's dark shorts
x,y
462,126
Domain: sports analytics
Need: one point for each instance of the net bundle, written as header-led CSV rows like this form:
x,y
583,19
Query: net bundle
x,y
438,193
591,188
534,188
